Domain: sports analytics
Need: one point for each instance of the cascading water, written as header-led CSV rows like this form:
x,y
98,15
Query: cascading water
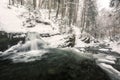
x,y
34,38
34,46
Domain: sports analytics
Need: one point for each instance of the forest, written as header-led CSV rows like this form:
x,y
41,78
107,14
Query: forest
x,y
84,14
59,39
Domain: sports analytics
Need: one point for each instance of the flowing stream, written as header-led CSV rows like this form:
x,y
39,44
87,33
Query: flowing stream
x,y
35,47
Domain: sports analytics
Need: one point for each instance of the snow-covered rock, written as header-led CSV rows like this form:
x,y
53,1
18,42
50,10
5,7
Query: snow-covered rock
x,y
61,41
1,52
13,48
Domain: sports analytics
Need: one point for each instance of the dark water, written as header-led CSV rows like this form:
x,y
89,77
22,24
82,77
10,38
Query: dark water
x,y
53,66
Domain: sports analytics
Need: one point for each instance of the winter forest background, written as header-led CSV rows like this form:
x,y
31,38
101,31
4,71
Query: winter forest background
x,y
60,39
88,15
89,21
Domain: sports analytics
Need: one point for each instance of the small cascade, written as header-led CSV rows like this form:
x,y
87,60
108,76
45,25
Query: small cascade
x,y
33,48
34,45
34,38
34,41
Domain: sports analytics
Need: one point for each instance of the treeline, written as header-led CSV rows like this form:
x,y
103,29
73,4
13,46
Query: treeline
x,y
81,13
66,9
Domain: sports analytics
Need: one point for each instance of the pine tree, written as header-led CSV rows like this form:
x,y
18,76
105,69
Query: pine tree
x,y
88,18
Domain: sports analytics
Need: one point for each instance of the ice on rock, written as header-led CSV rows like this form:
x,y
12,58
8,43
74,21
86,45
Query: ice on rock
x,y
105,61
13,48
109,57
1,53
110,70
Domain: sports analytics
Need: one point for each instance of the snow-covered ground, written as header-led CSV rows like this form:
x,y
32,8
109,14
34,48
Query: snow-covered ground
x,y
115,46
11,21
104,4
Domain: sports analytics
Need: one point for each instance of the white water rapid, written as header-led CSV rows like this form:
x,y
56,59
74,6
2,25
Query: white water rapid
x,y
105,61
34,46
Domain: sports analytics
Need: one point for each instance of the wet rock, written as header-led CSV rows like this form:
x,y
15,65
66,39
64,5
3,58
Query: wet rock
x,y
69,41
7,40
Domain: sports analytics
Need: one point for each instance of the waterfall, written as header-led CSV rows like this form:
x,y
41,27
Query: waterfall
x,y
33,37
34,45
33,48
35,40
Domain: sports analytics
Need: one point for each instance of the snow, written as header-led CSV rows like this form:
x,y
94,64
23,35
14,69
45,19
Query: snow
x,y
31,50
102,49
18,36
11,20
115,46
56,41
13,48
104,58
80,43
103,4
105,61
109,69
28,56
1,52
109,57
42,29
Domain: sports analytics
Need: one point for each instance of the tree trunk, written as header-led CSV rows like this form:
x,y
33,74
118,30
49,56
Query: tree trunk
x,y
22,2
13,2
9,2
34,4
58,9
70,12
